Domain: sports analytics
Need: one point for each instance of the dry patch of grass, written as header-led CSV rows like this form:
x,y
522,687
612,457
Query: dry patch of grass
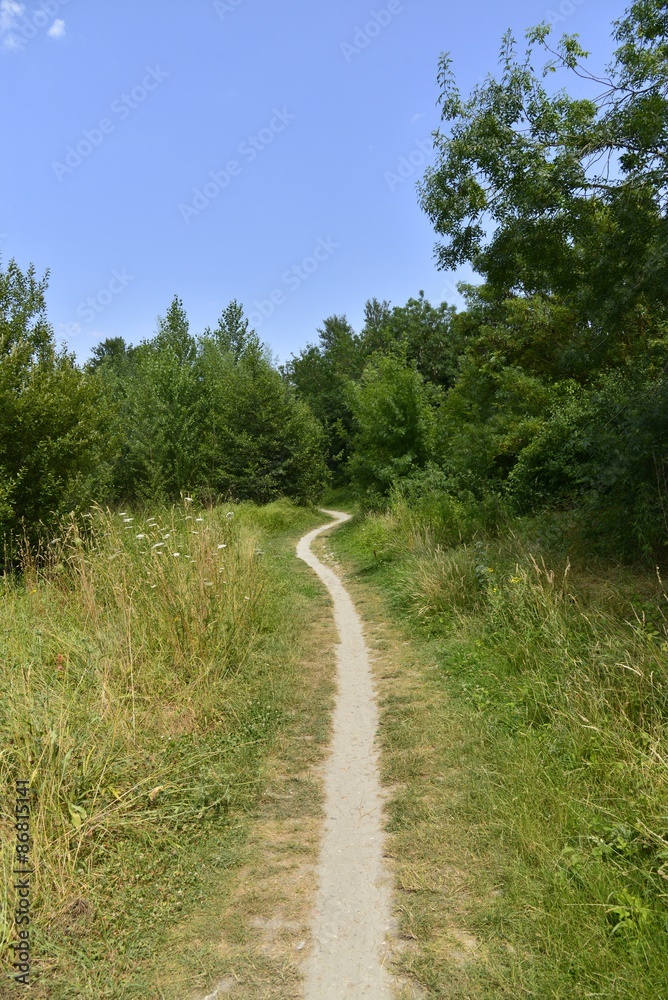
x,y
523,725
144,695
250,938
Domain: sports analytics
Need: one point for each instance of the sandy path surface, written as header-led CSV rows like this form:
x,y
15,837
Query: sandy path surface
x,y
352,913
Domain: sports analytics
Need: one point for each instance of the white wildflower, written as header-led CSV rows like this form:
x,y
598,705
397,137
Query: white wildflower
x,y
187,499
159,545
230,513
176,554
199,518
140,536
222,546
167,535
127,520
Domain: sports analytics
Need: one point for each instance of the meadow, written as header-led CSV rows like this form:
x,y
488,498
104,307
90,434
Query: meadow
x,y
524,688
150,658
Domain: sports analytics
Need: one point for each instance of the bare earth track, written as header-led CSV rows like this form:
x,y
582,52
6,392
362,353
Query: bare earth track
x,y
352,915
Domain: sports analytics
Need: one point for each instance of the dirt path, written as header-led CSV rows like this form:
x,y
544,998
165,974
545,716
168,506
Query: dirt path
x,y
352,912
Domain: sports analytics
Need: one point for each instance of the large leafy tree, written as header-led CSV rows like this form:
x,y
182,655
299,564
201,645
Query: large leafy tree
x,y
54,418
395,420
320,373
543,192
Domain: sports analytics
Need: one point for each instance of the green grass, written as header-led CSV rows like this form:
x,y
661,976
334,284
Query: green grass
x,y
524,730
141,695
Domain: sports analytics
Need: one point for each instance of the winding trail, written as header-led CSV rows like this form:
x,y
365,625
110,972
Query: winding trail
x,y
352,914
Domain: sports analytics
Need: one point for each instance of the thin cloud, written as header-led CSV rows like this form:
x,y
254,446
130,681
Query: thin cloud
x,y
10,12
57,29
416,118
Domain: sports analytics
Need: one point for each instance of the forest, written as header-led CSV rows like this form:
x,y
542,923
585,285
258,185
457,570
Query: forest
x,y
546,393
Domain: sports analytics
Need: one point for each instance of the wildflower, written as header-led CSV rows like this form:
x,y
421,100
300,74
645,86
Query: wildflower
x,y
153,586
230,513
159,545
208,583
187,499
246,598
199,518
55,540
222,546
176,554
140,536
167,535
127,520
516,579
123,513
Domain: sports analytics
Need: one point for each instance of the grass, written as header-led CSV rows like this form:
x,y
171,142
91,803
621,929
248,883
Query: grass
x,y
524,709
143,695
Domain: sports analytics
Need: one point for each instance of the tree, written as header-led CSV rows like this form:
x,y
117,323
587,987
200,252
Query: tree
x,y
54,435
546,193
394,414
417,332
259,441
320,375
232,331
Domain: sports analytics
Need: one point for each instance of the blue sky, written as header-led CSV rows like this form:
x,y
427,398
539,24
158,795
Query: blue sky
x,y
243,149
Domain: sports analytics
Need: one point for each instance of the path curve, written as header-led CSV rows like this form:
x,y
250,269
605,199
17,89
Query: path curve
x,y
352,915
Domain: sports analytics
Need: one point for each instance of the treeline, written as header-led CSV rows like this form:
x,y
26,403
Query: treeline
x,y
177,413
548,392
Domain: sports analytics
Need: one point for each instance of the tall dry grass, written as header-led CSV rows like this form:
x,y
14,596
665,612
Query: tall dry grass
x,y
554,673
126,694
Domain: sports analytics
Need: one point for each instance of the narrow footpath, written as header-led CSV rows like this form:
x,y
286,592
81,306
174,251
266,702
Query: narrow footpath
x,y
352,913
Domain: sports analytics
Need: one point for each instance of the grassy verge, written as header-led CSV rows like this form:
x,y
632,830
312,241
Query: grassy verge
x,y
524,708
146,696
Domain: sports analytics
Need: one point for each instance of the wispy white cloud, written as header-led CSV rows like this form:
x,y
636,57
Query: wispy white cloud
x,y
57,29
416,118
10,13
18,24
